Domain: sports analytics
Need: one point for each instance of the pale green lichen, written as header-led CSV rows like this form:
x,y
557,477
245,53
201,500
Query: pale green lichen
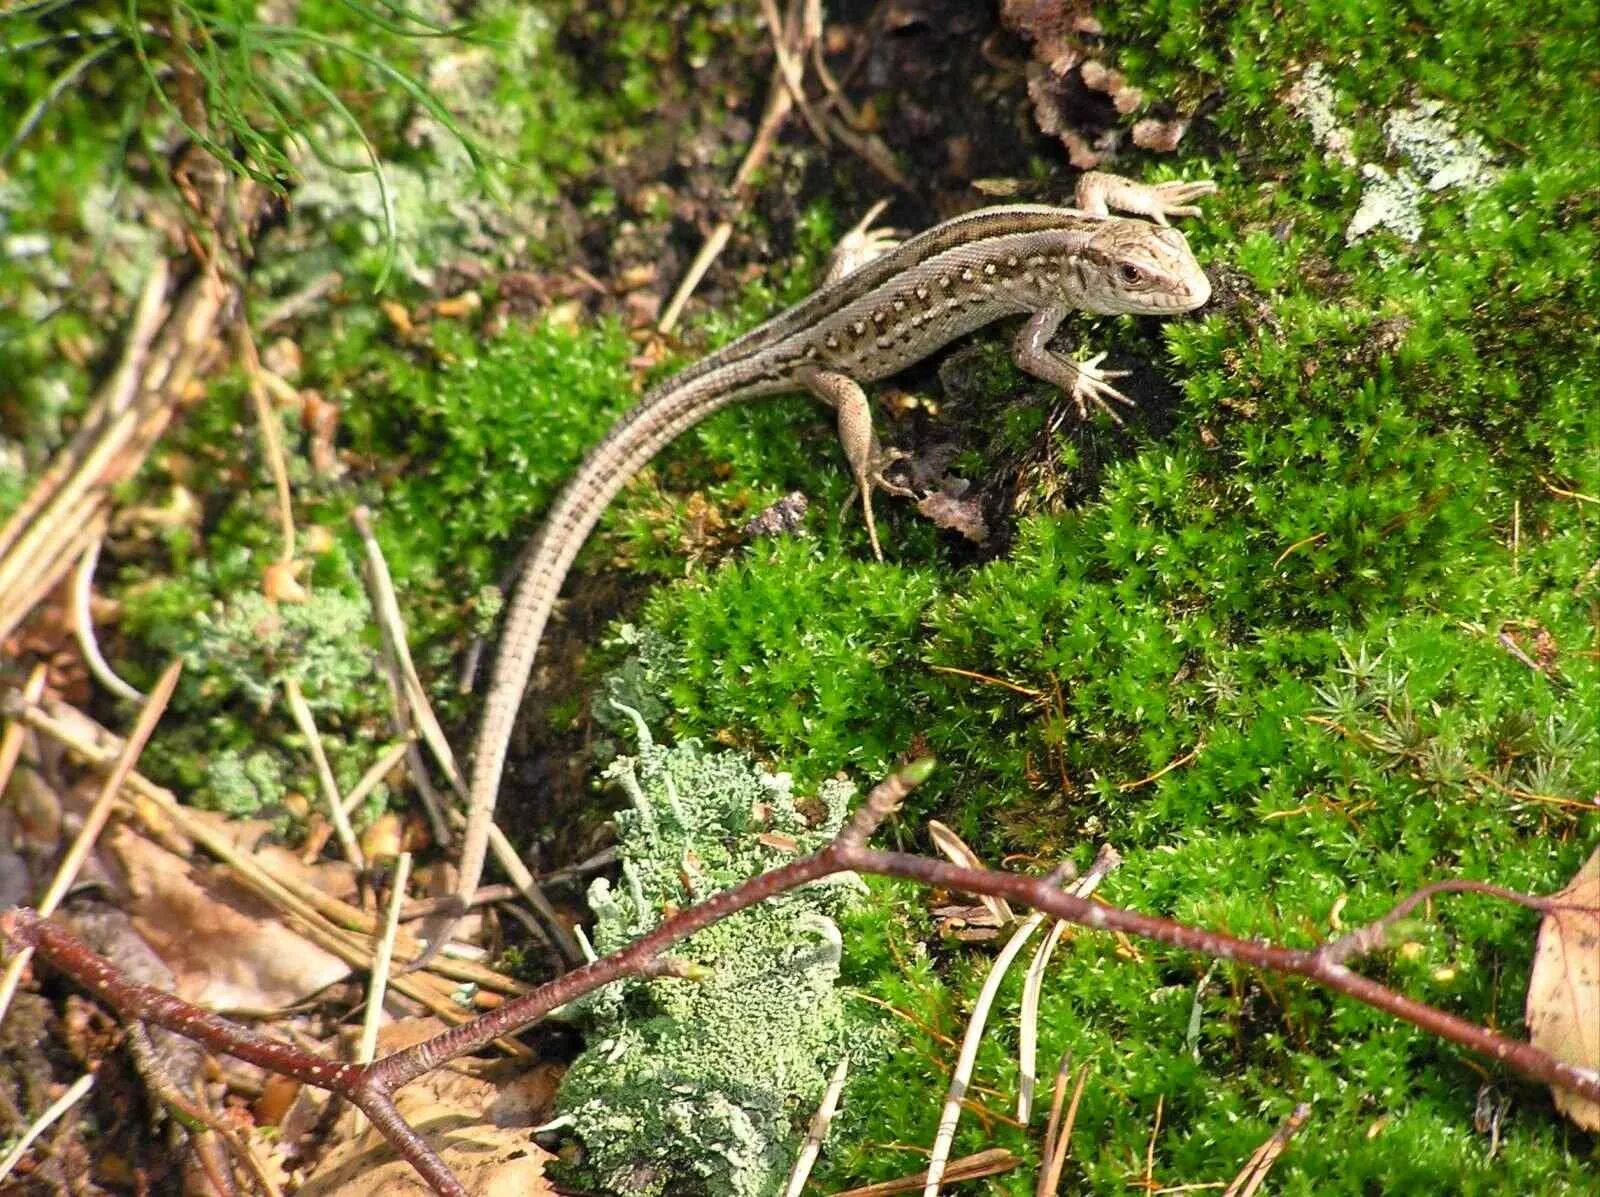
x,y
243,783
246,647
699,1086
1433,155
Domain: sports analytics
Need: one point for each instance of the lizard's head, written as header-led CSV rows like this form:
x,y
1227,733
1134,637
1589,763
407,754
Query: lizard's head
x,y
1146,270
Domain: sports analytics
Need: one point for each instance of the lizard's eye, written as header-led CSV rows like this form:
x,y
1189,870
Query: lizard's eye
x,y
1131,274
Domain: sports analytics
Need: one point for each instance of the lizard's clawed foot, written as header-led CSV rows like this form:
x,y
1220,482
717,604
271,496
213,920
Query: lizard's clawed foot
x,y
1099,191
1093,385
874,479
861,245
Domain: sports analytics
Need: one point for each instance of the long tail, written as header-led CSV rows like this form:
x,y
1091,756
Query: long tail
x,y
636,438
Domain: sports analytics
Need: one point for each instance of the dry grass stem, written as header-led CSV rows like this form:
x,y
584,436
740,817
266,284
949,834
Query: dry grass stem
x,y
958,851
300,710
1105,861
413,710
44,1122
93,822
332,924
376,772
951,1113
1254,1173
271,436
381,960
993,1162
67,509
1060,1138
16,730
391,626
818,1131
83,627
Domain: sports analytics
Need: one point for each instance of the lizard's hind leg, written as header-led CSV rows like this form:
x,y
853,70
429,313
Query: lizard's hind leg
x,y
866,458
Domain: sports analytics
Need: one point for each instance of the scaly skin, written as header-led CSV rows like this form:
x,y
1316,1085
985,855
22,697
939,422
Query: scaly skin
x,y
1044,262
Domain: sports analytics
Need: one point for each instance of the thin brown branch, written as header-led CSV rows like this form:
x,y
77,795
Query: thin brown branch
x,y
1363,941
370,1088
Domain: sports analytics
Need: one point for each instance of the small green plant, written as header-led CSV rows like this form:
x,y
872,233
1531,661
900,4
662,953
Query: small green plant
x,y
251,92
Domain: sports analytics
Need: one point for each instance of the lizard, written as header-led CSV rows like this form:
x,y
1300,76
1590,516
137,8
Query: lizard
x,y
1036,260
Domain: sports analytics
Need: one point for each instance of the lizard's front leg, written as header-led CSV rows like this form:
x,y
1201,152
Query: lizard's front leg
x,y
1083,380
1099,191
861,449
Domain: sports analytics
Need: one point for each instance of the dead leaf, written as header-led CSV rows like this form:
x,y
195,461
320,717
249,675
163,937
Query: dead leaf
x,y
956,513
224,946
452,1111
1563,1012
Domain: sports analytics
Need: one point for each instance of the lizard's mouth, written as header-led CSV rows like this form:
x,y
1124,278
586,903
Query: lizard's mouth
x,y
1199,292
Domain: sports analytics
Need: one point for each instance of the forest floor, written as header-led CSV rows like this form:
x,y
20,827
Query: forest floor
x,y
1315,627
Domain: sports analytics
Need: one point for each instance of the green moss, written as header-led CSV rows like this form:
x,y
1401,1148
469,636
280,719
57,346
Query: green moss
x,y
1310,578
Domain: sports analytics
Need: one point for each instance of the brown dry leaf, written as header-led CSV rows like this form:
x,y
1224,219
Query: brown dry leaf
x,y
452,1112
957,513
224,946
1563,1010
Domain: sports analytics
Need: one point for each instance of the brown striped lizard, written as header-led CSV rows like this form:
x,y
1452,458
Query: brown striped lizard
x,y
914,298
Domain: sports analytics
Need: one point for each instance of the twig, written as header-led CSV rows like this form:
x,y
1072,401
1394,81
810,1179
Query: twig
x,y
301,711
381,959
149,1064
371,1088
44,1122
1370,938
94,822
818,1131
1254,1173
83,625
